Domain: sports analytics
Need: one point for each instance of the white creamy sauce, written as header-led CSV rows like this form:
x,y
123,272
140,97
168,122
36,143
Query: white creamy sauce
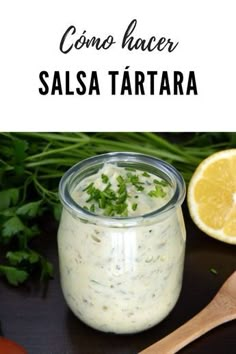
x,y
125,279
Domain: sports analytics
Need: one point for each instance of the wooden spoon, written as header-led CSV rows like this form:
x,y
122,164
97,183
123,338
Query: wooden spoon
x,y
221,309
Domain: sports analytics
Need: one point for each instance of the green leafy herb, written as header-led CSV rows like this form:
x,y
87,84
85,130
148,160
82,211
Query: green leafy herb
x,y
46,269
158,192
18,257
8,197
139,187
105,178
14,275
134,180
102,201
89,188
92,208
145,174
30,210
120,180
161,182
12,226
113,203
57,209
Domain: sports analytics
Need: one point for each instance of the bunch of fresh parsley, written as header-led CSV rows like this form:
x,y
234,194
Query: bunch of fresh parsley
x,y
18,212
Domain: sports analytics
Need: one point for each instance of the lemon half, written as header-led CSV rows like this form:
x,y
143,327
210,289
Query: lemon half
x,y
212,196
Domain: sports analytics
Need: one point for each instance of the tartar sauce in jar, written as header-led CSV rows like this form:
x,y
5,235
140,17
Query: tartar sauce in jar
x,y
121,241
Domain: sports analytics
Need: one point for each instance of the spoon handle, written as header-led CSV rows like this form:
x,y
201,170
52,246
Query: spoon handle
x,y
210,317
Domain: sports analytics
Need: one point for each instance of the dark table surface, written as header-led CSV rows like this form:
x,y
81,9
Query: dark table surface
x,y
40,320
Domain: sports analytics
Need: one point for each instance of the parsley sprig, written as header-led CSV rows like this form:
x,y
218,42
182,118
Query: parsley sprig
x,y
17,216
16,225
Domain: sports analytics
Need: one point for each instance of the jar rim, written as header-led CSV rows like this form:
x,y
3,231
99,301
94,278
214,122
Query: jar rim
x,y
127,157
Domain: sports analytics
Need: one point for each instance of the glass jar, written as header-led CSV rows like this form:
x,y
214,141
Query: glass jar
x,y
121,275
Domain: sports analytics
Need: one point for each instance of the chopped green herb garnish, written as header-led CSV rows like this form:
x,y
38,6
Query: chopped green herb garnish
x,y
122,188
158,192
94,194
152,193
131,178
125,213
107,187
109,194
161,182
105,178
139,188
102,201
108,210
113,201
120,180
134,206
120,208
92,208
134,180
145,174
213,271
122,197
88,187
